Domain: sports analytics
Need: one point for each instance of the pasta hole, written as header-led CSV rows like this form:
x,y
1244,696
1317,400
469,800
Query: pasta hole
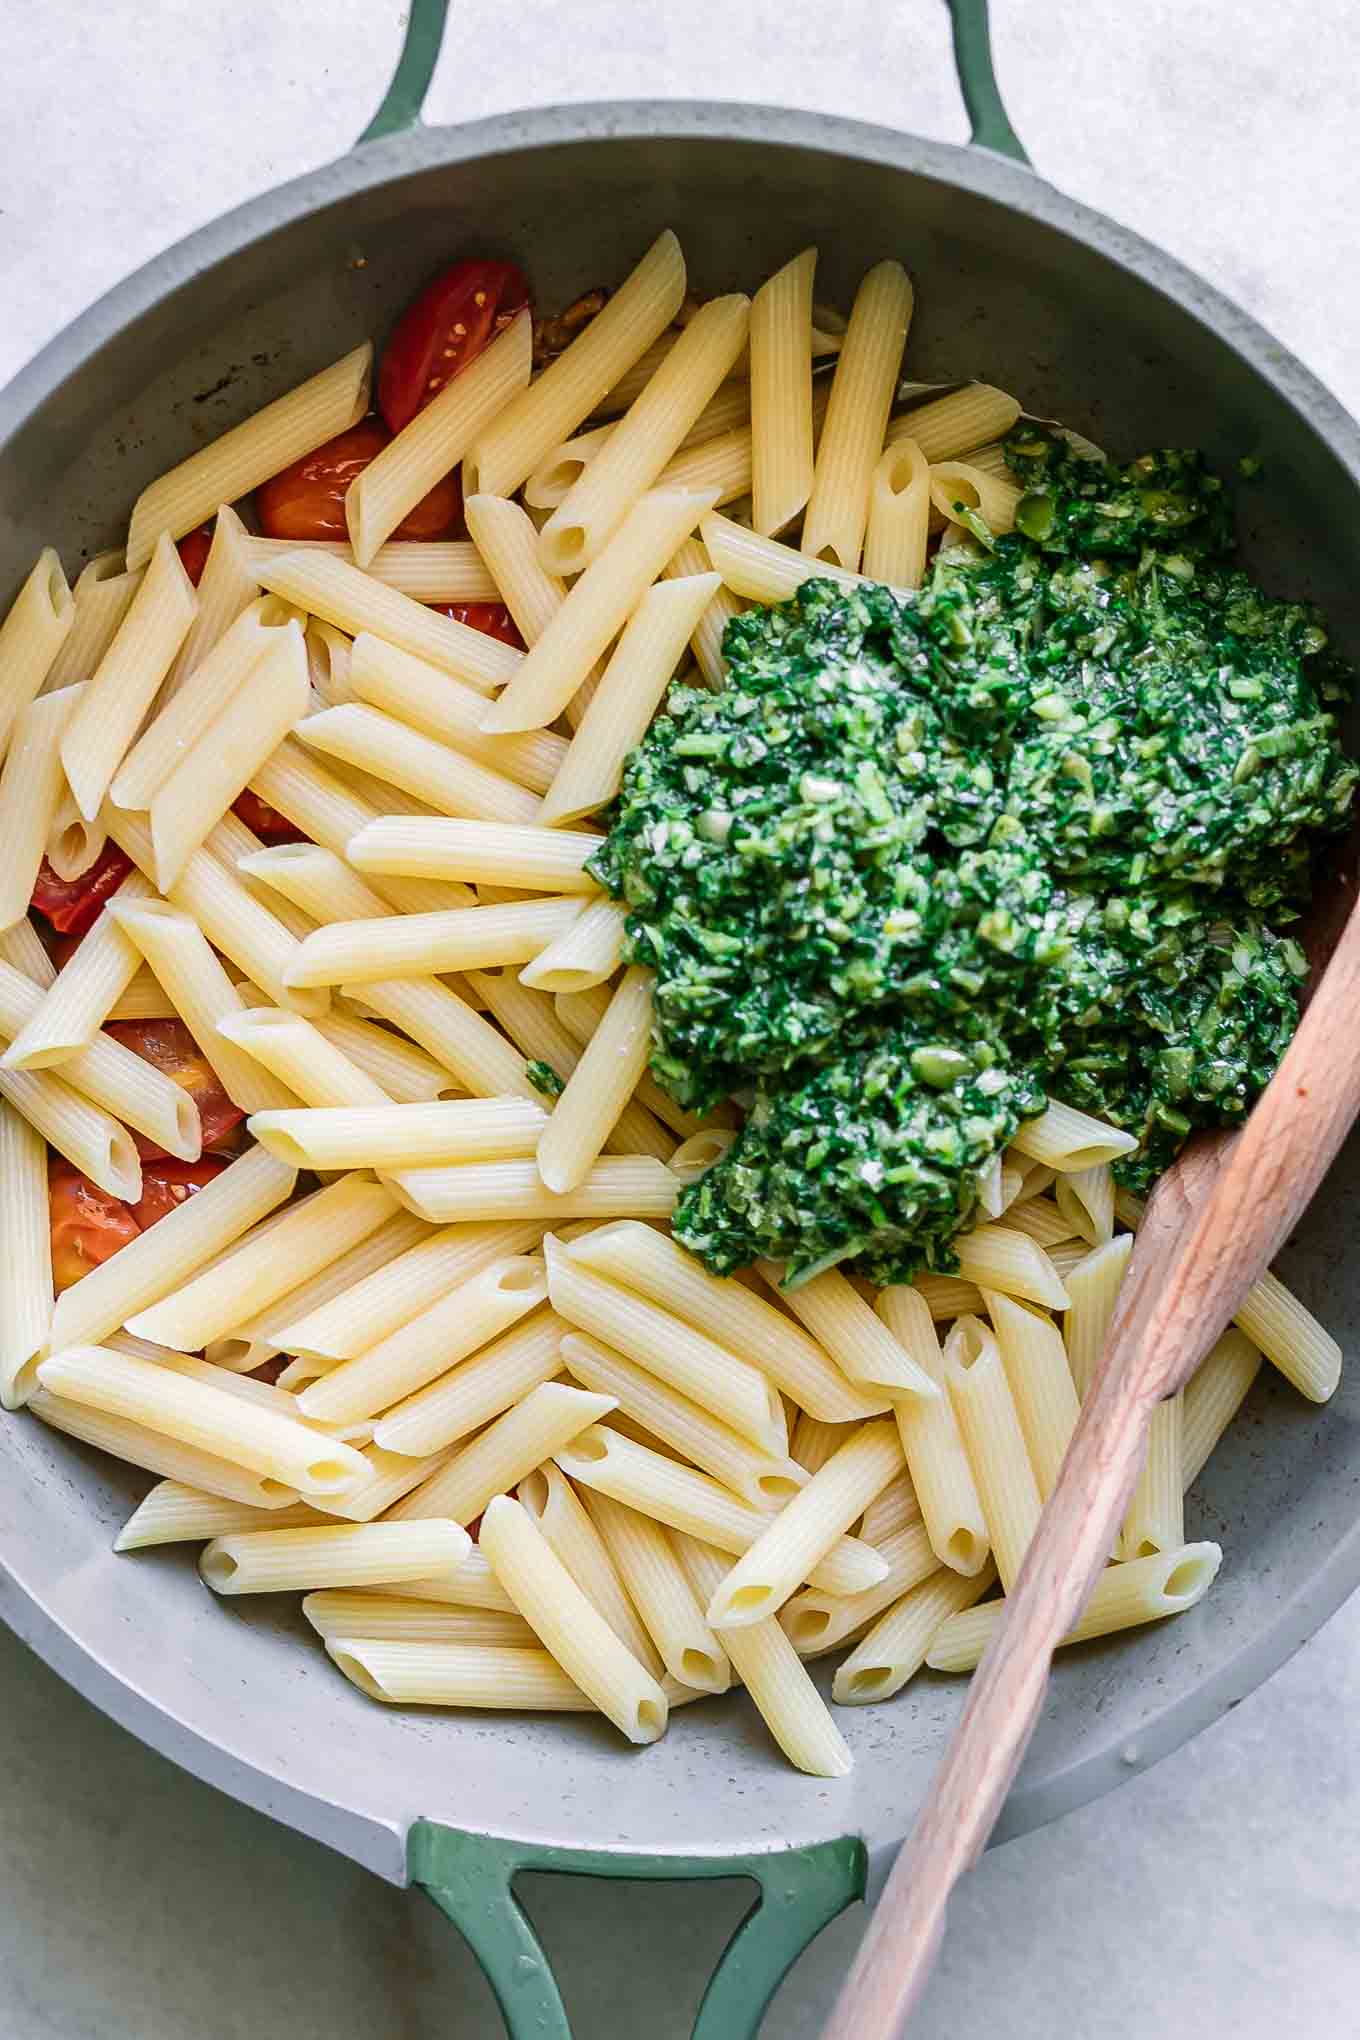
x,y
650,1719
124,1168
591,1445
864,1684
699,1668
1187,1580
747,1598
328,1474
533,1492
522,1275
777,1486
358,1672
1148,1547
961,1551
569,547
808,1626
218,1568
276,1491
58,594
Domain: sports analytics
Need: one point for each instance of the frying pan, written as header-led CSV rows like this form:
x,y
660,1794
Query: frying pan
x,y
1016,284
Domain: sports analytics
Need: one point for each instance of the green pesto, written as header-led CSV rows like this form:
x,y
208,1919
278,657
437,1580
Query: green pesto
x,y
928,858
544,1078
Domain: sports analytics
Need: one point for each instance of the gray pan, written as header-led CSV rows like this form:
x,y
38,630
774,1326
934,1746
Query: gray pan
x,y
1015,284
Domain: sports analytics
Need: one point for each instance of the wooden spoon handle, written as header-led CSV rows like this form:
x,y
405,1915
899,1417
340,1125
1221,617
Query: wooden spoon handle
x,y
1211,1229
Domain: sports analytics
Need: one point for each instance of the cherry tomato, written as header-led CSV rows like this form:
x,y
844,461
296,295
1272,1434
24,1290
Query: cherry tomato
x,y
72,904
88,1225
169,1045
193,550
307,500
264,821
492,618
446,327
167,1185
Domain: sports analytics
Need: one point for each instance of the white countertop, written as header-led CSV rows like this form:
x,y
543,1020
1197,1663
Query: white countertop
x,y
1216,1894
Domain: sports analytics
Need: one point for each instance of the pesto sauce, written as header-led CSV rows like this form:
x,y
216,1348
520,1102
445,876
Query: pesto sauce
x,y
926,858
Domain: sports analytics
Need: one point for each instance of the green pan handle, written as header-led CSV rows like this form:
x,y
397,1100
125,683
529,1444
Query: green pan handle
x,y
471,1878
972,57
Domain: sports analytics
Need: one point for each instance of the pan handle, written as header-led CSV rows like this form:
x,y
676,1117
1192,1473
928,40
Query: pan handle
x,y
471,1879
405,96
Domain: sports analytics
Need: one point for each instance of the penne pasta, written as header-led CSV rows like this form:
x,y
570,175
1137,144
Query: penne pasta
x,y
428,570
937,1460
571,387
400,756
857,416
1085,1197
860,1343
762,569
534,1430
415,945
1213,1396
335,1555
457,1402
958,490
174,1513
580,1013
600,1086
893,1509
21,948
658,1586
93,1141
84,992
511,854
994,1257
947,426
158,1452
305,1063
226,589
102,596
1155,1520
26,1297
1041,1385
1092,1287
895,1648
31,790
479,1675
550,1499
388,1618
439,706
400,1136
36,626
994,1442
436,439
1291,1338
450,1030
781,394
73,844
687,563
402,1072
899,516
237,462
1070,1141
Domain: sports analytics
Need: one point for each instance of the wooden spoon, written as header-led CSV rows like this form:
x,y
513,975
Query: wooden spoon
x,y
1214,1223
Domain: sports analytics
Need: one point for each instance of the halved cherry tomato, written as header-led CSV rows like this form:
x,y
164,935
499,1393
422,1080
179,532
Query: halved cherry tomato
x,y
193,550
72,904
167,1185
492,618
169,1045
264,821
307,500
446,327
88,1225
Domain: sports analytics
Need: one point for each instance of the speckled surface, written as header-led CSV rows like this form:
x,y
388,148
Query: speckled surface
x,y
127,1892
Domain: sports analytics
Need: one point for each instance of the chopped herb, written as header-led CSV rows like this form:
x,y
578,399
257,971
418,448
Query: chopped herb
x,y
926,857
544,1078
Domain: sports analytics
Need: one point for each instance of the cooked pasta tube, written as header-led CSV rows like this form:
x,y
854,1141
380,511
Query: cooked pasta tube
x,y
252,1341
174,1513
601,1459
439,706
895,1508
617,1185
226,588
1213,1396
31,789
335,1555
471,1584
401,1136
102,596
1069,1141
144,999
73,844
641,1259
600,1086
21,948
956,487
202,1416
687,563
899,516
573,385
763,569
401,1071
642,443
1040,1219
1041,1385
377,1304
1092,1288
390,1476
123,686
266,1265
687,1360
38,623
781,394
172,1250
481,1675
996,1258
418,945
813,1443
387,1618
807,1527
947,1296
861,1344
518,1441
460,1400
596,608
569,1625
25,1256
1124,1597
391,751
1291,1338
431,445
895,1648
584,952
555,1507
159,1453
234,922
630,690
581,1012
1085,1197
760,1475
1155,1519
237,462
931,1440
188,715
353,601
947,426
199,990
301,1058
658,1585
772,1673
857,416
429,570
508,854
84,991
994,1442
92,1140
427,1346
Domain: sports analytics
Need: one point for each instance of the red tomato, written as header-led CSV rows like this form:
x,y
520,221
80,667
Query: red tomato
x,y
166,1185
307,500
492,618
447,327
169,1045
88,1225
264,821
193,550
72,904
